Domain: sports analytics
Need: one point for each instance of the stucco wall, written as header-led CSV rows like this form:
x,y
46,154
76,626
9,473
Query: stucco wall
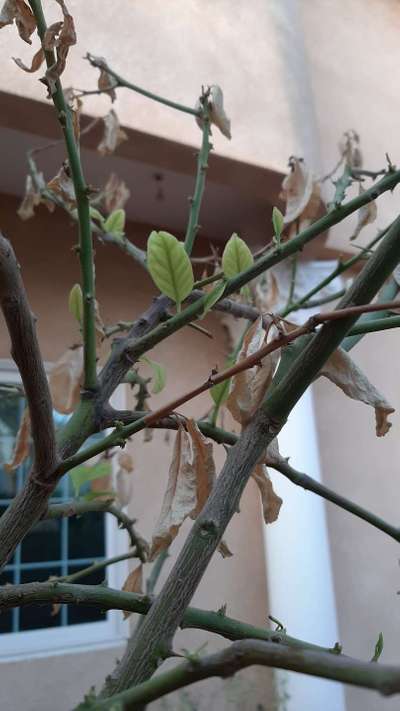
x,y
49,268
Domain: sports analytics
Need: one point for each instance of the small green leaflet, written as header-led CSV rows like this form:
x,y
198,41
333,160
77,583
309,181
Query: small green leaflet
x,y
96,215
277,221
236,257
82,474
378,648
159,374
115,223
75,303
213,296
169,266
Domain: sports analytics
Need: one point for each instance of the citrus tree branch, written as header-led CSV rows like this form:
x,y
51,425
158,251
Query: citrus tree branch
x,y
109,599
122,432
382,678
155,635
100,63
64,115
202,165
79,508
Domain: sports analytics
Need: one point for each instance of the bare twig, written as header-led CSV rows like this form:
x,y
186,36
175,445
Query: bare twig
x,y
78,508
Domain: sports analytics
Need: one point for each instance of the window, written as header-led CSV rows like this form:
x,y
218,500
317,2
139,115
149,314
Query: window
x,y
54,547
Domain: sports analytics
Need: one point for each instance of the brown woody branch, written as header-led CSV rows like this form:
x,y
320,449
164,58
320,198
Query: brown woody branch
x,y
368,675
26,354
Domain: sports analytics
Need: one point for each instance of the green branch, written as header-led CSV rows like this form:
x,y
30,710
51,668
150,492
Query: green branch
x,y
240,655
339,269
202,165
82,202
110,599
120,82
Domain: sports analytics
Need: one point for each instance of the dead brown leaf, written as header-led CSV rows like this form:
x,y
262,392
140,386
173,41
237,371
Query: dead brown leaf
x,y
65,380
180,497
37,61
342,371
133,584
248,388
30,200
301,194
63,186
115,194
349,147
22,443
203,464
271,502
20,12
366,215
224,550
113,134
60,36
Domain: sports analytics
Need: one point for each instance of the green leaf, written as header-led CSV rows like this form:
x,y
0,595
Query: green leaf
x,y
236,257
96,215
213,296
115,223
277,221
169,266
75,303
378,648
82,474
159,374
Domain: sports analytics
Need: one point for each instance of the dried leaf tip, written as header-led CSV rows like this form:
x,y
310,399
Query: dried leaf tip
x,y
217,113
301,193
18,11
113,134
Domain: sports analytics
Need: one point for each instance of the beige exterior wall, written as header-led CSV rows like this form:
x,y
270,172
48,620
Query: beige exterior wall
x,y
49,269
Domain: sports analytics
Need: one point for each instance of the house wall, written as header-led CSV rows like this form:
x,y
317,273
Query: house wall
x,y
49,268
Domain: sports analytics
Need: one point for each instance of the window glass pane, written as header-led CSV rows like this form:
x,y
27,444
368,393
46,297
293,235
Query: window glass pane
x,y
34,617
49,549
78,614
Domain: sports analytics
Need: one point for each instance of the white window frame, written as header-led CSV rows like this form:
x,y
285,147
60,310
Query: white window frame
x,y
111,632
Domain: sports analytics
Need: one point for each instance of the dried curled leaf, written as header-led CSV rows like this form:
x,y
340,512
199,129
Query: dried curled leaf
x,y
65,380
30,200
133,584
365,216
217,114
62,185
301,193
224,550
60,36
22,442
248,388
20,12
180,497
75,104
115,194
271,502
37,61
342,371
113,135
123,482
190,480
203,464
349,148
